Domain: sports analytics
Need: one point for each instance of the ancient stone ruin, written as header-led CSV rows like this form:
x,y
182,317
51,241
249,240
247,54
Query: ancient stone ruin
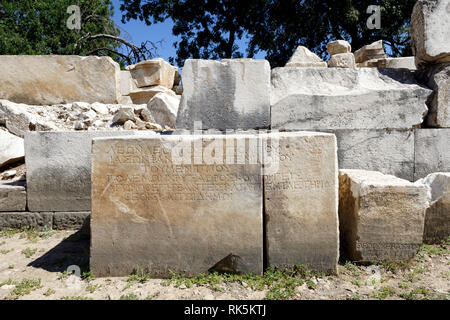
x,y
232,166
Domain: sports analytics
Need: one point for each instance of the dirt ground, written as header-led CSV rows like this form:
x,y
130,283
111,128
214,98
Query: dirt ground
x,y
33,265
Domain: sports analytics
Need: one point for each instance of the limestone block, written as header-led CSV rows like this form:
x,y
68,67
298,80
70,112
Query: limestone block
x,y
11,148
339,46
71,220
13,196
303,57
437,218
370,52
430,32
18,220
432,152
336,98
143,95
59,169
16,117
53,79
381,217
154,72
161,207
342,60
300,201
404,62
164,109
227,94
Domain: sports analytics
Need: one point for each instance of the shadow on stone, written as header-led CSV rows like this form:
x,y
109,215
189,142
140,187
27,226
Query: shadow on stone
x,y
230,264
74,250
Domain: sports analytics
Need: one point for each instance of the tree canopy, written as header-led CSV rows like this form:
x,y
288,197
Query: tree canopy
x,y
210,29
40,27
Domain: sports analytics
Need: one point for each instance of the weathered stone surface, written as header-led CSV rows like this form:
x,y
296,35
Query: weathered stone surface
x,y
387,151
432,152
71,220
159,214
15,117
164,109
372,63
381,217
430,32
342,60
13,196
437,218
17,220
123,115
301,202
339,46
370,52
154,72
404,62
59,169
40,80
335,98
143,95
126,83
438,79
303,57
227,94
11,148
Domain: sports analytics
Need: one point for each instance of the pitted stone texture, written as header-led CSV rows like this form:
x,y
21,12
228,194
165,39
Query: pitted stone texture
x,y
59,169
438,79
339,46
301,202
154,72
53,79
335,98
430,32
11,148
227,94
432,152
342,60
13,196
303,57
152,211
381,217
71,220
437,218
18,220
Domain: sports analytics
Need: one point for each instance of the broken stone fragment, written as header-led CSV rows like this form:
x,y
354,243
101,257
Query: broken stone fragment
x,y
129,125
342,60
154,72
303,57
100,108
164,109
381,217
430,32
373,51
339,46
437,218
143,95
404,62
13,196
123,114
11,148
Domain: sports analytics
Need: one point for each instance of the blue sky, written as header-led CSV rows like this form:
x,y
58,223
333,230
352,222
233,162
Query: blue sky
x,y
137,31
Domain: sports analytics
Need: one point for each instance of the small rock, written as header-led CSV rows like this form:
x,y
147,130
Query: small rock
x,y
129,125
79,125
100,108
146,116
81,105
98,123
153,126
88,117
8,174
339,46
123,115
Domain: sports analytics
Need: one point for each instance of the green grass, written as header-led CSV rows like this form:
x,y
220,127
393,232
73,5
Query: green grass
x,y
383,293
75,298
23,288
139,276
92,287
29,252
49,292
4,251
130,296
279,283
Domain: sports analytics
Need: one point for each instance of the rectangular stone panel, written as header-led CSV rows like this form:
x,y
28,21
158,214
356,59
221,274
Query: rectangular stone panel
x,y
381,217
59,169
13,196
53,79
432,152
162,209
301,201
339,98
227,94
